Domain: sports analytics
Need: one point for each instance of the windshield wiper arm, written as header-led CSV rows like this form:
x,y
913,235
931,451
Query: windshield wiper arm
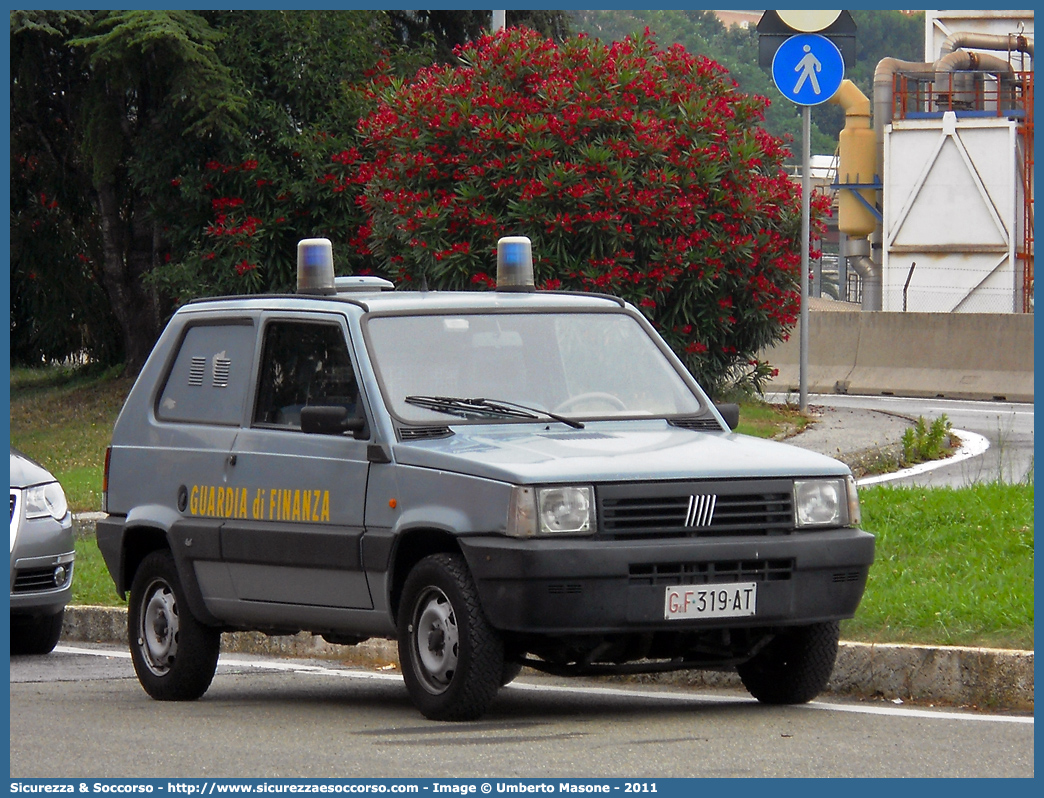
x,y
485,408
466,408
572,422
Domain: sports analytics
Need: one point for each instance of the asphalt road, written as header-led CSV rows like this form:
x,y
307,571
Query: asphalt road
x,y
80,712
1007,426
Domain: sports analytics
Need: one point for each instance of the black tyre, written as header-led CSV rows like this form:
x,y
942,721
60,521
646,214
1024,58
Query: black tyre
x,y
795,667
510,672
452,660
37,635
174,655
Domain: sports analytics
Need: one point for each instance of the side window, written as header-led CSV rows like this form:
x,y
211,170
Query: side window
x,y
303,364
208,383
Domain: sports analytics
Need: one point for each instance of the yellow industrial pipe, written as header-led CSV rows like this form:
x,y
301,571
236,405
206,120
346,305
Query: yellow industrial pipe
x,y
857,162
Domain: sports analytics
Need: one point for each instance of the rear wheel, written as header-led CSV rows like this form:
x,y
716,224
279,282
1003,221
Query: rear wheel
x,y
174,655
452,660
795,667
38,635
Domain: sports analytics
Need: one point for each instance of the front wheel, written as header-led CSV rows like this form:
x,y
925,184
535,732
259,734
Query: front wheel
x,y
174,655
452,659
795,666
36,635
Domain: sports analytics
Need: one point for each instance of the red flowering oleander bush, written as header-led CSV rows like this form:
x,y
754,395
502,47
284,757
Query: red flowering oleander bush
x,y
635,171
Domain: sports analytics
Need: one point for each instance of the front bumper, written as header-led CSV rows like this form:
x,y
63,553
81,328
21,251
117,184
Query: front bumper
x,y
42,546
591,586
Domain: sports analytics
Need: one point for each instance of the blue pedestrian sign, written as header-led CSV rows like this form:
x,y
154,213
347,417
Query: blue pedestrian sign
x,y
808,69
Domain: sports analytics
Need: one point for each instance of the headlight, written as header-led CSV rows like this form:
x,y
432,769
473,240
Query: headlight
x,y
46,500
565,510
820,502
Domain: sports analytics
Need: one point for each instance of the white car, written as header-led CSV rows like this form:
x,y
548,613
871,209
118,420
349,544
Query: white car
x,y
42,557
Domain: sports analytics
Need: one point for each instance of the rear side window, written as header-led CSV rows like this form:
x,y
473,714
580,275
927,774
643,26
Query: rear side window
x,y
303,364
208,383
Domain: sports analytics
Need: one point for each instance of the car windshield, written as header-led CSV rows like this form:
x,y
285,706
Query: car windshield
x,y
436,369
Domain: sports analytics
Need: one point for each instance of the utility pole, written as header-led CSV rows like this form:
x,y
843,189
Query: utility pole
x,y
499,21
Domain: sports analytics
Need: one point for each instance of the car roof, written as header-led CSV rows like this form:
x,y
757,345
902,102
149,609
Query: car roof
x,y
412,301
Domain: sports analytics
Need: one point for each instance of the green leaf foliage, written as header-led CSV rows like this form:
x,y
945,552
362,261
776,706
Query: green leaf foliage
x,y
58,305
294,170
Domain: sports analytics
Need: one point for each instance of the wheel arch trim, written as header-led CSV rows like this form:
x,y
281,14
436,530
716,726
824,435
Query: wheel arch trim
x,y
142,533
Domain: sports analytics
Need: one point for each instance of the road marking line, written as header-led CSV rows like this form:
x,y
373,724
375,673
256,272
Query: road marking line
x,y
289,666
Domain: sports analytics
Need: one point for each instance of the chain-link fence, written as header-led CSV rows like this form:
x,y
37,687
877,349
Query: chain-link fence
x,y
941,289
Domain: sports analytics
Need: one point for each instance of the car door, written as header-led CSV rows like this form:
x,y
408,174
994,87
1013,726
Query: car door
x,y
298,542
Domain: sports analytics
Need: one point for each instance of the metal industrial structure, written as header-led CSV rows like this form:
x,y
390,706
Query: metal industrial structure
x,y
936,199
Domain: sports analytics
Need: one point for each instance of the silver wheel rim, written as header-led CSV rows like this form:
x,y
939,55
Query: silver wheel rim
x,y
436,640
158,630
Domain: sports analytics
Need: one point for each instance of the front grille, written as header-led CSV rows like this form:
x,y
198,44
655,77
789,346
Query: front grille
x,y
35,580
707,573
723,509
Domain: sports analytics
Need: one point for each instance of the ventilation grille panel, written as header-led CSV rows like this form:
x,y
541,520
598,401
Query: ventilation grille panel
x,y
711,573
702,424
222,370
423,433
197,368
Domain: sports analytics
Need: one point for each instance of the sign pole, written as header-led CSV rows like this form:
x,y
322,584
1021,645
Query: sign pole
x,y
806,216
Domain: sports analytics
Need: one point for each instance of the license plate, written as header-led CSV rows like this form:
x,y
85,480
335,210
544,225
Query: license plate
x,y
737,600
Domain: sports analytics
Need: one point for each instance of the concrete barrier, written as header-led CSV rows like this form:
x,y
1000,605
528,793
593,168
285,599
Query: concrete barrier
x,y
951,355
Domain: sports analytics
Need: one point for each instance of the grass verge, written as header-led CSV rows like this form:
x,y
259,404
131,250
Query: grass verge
x,y
92,584
953,566
765,420
63,418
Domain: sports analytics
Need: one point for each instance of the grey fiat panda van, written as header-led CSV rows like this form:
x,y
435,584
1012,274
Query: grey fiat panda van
x,y
493,479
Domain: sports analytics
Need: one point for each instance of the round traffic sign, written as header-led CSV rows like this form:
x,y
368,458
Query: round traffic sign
x,y
808,69
809,21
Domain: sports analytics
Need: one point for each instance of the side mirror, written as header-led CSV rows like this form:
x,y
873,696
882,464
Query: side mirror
x,y
330,420
729,412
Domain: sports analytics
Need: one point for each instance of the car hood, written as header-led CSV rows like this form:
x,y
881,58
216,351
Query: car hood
x,y
26,472
613,451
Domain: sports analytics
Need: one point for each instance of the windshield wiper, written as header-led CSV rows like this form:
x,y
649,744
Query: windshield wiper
x,y
485,408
